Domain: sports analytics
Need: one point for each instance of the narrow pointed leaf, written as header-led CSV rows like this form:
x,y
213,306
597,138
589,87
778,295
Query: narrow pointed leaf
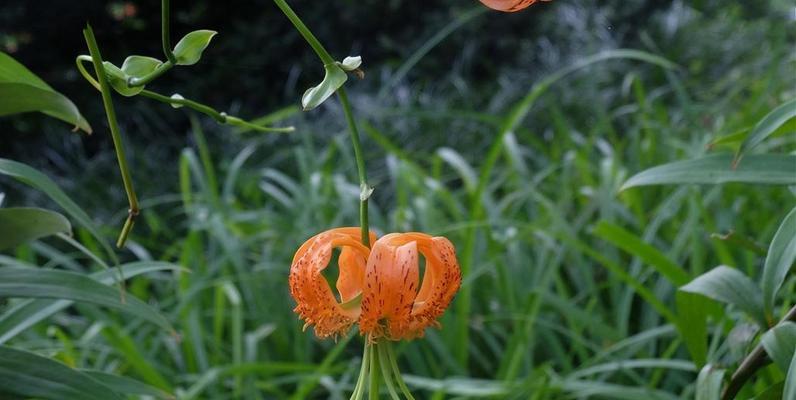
x,y
28,375
38,180
129,386
780,258
772,169
21,225
22,91
26,313
54,284
780,343
189,49
634,245
767,126
728,285
790,381
334,78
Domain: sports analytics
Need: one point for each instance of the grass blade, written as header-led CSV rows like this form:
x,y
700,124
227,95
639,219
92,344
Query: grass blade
x,y
780,258
24,374
22,225
771,169
767,126
52,284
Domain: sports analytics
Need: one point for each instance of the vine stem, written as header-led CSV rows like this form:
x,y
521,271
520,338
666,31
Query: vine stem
x,y
305,32
116,135
751,364
327,59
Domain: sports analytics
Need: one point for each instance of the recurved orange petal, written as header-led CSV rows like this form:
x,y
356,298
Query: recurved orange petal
x,y
316,304
509,5
392,306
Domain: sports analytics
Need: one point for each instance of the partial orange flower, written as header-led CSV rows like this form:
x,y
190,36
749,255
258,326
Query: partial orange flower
x,y
509,5
379,287
393,305
317,305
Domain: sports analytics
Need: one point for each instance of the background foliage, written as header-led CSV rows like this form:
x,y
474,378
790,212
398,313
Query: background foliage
x,y
560,308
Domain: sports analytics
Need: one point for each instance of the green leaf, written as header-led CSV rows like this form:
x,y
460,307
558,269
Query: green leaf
x,y
26,313
125,385
140,66
728,285
28,375
332,80
21,225
692,313
773,392
54,284
634,245
780,258
118,80
767,126
772,169
780,343
36,179
189,49
790,380
23,91
709,382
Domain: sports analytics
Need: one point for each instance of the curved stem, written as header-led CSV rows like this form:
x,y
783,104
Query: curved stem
x,y
397,373
386,370
220,117
373,392
107,101
751,364
359,389
305,32
165,35
365,190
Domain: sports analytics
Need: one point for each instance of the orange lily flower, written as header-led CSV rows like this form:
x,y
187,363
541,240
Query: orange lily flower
x,y
394,304
509,5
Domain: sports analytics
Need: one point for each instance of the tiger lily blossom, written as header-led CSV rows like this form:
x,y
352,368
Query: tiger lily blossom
x,y
509,5
378,287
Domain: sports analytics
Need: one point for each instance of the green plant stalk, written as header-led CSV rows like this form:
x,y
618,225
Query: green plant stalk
x,y
359,389
327,59
397,373
165,34
202,108
305,32
756,360
386,370
165,39
375,374
360,159
110,112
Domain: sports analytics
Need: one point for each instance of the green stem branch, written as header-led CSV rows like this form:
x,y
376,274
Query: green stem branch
x,y
364,188
751,364
165,34
107,102
305,32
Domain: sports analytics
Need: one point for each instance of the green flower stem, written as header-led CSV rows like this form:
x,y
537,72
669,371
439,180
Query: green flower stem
x,y
359,389
165,35
305,32
396,372
327,59
360,159
375,374
386,369
107,101
220,117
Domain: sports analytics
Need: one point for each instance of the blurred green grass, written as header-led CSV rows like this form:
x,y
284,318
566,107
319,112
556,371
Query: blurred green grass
x,y
548,318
